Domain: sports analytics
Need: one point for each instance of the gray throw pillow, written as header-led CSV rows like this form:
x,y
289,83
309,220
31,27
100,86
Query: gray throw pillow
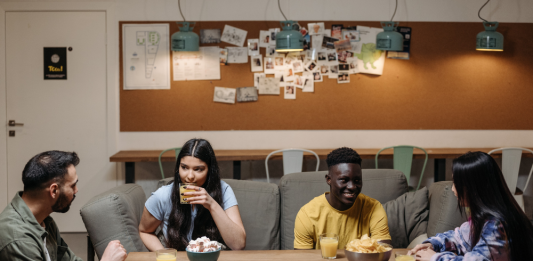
x,y
407,216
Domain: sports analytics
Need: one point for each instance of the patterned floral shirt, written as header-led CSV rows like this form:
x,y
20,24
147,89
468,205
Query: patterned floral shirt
x,y
455,244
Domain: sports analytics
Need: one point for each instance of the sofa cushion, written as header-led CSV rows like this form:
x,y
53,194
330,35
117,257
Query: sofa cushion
x,y
259,206
115,215
408,217
444,214
299,188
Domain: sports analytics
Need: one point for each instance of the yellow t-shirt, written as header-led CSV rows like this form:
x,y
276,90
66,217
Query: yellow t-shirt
x,y
366,216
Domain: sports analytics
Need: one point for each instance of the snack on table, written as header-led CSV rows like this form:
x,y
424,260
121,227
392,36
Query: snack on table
x,y
366,245
203,244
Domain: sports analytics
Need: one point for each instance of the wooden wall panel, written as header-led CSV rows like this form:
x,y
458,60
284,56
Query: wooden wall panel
x,y
445,85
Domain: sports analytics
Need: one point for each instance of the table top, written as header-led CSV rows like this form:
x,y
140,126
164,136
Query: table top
x,y
235,155
292,255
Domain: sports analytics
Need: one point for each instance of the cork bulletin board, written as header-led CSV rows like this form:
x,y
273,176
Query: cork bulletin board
x,y
446,84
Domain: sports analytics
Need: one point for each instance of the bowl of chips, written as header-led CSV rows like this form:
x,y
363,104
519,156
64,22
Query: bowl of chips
x,y
367,249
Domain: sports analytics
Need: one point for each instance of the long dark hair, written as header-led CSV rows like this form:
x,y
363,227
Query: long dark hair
x,y
481,187
179,223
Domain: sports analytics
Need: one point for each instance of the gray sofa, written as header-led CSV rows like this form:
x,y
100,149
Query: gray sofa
x,y
268,211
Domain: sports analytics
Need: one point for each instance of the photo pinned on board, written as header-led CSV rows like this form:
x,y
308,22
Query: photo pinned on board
x,y
290,92
321,56
352,62
288,74
317,77
269,65
343,77
309,83
271,50
332,56
297,66
352,35
264,38
344,68
342,56
209,36
336,31
342,45
223,56
257,76
257,63
328,42
298,81
278,61
316,28
324,69
311,67
273,33
253,47
333,71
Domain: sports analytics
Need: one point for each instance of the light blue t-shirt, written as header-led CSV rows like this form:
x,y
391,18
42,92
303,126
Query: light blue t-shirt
x,y
160,205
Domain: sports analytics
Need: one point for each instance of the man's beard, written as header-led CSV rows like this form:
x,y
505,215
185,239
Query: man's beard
x,y
62,204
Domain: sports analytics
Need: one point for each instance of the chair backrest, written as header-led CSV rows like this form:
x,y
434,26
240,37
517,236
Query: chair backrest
x,y
444,212
511,158
292,160
403,160
259,206
115,215
176,152
298,189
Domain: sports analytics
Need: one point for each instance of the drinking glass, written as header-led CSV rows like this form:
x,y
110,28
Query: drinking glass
x,y
166,254
183,189
329,243
403,256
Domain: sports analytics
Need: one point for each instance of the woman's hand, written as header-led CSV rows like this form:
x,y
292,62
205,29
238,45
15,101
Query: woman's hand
x,y
199,196
420,247
424,255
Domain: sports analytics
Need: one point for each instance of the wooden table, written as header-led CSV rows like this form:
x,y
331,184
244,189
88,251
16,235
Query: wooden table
x,y
246,255
438,154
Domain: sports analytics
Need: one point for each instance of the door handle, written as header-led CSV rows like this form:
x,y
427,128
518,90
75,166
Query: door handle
x,y
13,123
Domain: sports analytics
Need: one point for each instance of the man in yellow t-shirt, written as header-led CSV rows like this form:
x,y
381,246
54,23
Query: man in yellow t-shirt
x,y
343,210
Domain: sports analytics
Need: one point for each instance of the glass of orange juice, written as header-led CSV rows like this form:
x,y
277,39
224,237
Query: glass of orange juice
x,y
329,242
183,189
166,254
404,257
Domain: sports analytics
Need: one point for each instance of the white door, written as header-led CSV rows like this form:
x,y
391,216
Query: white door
x,y
65,115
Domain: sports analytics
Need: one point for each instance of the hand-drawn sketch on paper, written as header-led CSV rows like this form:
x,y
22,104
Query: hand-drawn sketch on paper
x,y
246,94
237,54
145,53
224,95
233,35
268,86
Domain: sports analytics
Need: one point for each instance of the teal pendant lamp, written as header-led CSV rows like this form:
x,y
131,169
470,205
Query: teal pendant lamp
x,y
185,40
389,39
288,40
489,40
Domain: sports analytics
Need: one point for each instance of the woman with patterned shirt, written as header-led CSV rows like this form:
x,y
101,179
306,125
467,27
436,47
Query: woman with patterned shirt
x,y
497,228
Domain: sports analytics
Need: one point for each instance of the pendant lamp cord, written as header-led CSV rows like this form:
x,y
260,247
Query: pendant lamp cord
x,y
279,5
479,12
179,5
396,8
